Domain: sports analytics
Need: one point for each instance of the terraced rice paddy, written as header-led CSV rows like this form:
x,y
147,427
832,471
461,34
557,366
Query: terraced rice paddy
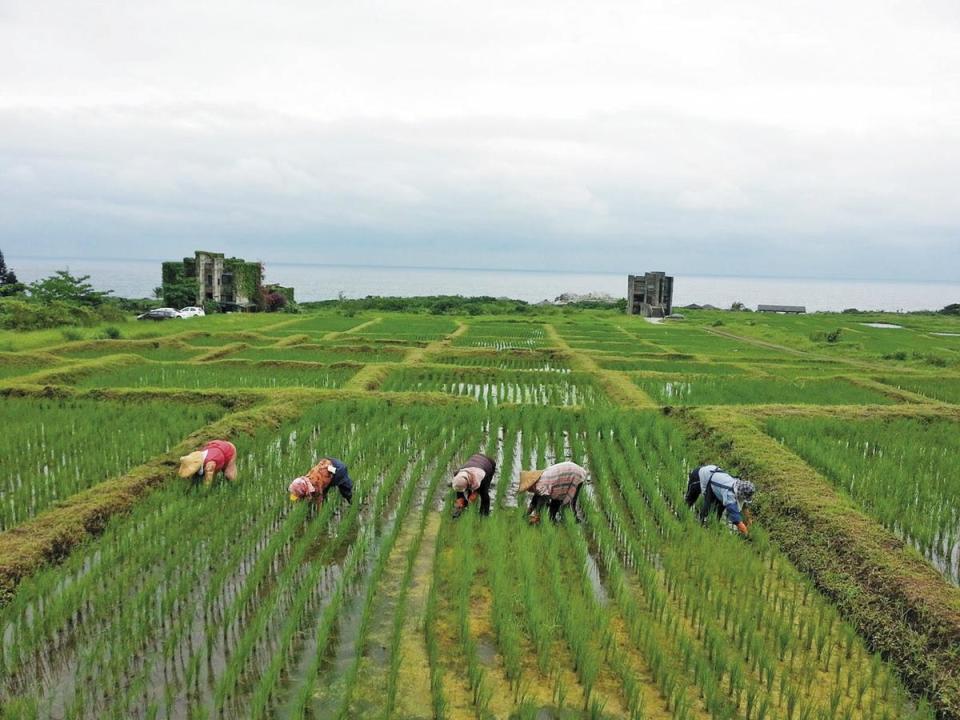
x,y
942,388
672,366
221,374
51,449
502,335
524,387
902,471
708,390
229,601
516,360
323,353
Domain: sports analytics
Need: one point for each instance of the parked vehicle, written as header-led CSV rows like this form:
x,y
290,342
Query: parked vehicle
x,y
160,314
189,312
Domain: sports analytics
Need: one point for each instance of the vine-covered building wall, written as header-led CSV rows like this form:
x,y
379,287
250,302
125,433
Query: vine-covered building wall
x,y
211,278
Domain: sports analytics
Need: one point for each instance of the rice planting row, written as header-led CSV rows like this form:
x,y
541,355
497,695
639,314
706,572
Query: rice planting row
x,y
324,353
589,328
671,366
637,613
502,336
900,471
411,328
942,388
492,388
541,362
319,323
791,372
710,390
617,345
51,449
222,374
236,621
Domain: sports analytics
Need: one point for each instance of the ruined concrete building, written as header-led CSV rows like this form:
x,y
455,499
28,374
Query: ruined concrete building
x,y
210,277
650,295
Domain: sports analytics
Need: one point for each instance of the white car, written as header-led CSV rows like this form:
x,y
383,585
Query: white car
x,y
189,312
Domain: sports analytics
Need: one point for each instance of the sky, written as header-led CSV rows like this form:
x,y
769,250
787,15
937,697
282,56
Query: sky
x,y
793,138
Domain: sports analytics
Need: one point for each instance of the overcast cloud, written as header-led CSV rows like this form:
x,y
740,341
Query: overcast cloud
x,y
809,138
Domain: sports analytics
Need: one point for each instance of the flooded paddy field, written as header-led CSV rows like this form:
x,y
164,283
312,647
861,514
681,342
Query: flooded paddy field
x,y
229,601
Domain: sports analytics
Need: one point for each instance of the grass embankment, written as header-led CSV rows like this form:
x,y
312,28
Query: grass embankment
x,y
897,600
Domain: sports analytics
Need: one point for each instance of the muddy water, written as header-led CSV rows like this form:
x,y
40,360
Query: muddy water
x,y
414,675
372,650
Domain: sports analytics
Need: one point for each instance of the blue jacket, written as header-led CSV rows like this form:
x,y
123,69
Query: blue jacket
x,y
723,487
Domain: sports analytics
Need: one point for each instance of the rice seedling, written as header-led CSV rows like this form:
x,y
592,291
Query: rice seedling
x,y
899,470
942,388
502,335
229,601
222,374
671,366
710,390
507,360
323,353
417,328
319,323
51,449
496,387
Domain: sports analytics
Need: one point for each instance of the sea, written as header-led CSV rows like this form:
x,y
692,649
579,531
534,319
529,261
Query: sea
x,y
138,278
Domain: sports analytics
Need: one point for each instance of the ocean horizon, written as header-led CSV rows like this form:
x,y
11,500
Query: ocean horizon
x,y
136,278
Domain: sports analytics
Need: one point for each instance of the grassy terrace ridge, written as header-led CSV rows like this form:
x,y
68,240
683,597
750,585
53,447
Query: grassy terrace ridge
x,y
571,382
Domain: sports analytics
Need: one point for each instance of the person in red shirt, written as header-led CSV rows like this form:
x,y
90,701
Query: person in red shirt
x,y
216,456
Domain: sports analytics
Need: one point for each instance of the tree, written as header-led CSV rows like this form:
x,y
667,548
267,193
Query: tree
x,y
64,287
738,306
9,285
951,309
179,293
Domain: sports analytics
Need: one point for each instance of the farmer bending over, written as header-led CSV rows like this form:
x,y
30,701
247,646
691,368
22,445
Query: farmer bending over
x,y
721,491
472,481
559,485
315,485
216,456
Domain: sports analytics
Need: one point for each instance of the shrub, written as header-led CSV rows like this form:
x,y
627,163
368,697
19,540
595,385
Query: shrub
x,y
274,301
71,335
830,337
111,333
18,314
931,359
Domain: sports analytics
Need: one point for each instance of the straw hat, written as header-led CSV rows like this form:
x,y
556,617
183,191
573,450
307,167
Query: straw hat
x,y
190,464
528,478
460,481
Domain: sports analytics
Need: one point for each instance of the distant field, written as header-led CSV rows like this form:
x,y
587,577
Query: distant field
x,y
939,388
220,375
184,601
689,390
